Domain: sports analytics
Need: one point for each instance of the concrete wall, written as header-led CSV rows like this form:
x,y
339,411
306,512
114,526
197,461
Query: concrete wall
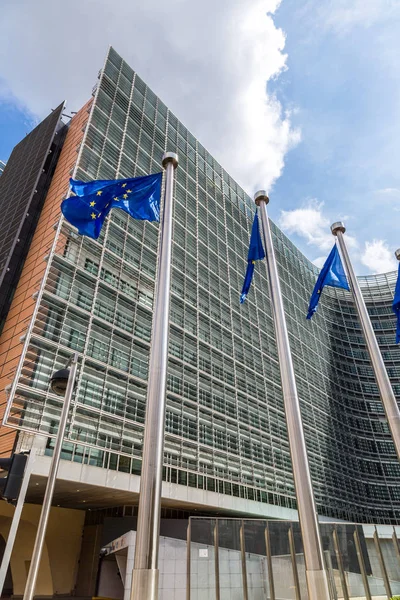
x,y
58,568
172,566
110,583
173,573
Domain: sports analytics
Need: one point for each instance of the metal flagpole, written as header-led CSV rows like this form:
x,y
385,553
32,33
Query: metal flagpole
x,y
317,581
51,481
385,389
16,519
145,571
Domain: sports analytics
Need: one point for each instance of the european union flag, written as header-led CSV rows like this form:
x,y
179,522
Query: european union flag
x,y
332,273
256,252
92,201
396,306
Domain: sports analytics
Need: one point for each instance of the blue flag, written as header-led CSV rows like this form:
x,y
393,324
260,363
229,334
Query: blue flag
x,y
332,273
92,201
256,252
396,306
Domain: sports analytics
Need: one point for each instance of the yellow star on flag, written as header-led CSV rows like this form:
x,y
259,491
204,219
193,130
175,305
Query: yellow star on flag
x,y
124,185
128,191
116,199
92,203
125,195
93,215
99,193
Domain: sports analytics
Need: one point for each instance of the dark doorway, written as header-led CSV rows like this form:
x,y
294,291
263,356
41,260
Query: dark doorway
x,y
8,589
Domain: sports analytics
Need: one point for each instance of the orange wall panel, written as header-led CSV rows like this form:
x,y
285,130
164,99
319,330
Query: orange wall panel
x,y
23,304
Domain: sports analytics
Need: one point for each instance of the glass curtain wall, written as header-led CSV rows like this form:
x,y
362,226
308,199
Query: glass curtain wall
x,y
225,424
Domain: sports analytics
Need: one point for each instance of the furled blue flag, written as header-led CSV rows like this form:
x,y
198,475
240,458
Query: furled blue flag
x,y
332,273
92,201
256,252
396,306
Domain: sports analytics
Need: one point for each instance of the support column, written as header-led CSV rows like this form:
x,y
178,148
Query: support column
x,y
317,581
145,572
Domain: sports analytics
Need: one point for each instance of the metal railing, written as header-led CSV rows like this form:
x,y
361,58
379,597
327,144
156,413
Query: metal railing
x,y
254,559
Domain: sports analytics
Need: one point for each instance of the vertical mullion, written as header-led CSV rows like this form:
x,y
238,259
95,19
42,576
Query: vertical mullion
x,y
362,565
342,575
382,564
188,558
269,563
294,563
216,559
243,560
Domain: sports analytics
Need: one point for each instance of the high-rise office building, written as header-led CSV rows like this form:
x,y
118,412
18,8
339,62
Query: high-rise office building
x,y
23,188
226,447
2,166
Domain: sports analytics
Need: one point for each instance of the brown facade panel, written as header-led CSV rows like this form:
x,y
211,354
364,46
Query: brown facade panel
x,y
23,304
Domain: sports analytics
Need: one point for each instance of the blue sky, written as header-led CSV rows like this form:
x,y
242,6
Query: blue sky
x,y
299,96
343,81
15,122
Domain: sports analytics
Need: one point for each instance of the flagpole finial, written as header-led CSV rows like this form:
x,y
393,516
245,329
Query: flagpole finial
x,y
260,196
397,254
169,157
338,226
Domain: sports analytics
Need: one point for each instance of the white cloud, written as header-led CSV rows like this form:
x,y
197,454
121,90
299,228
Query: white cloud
x,y
389,191
378,258
308,222
209,61
342,15
319,261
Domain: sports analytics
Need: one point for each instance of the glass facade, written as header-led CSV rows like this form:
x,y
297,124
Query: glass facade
x,y
225,427
2,166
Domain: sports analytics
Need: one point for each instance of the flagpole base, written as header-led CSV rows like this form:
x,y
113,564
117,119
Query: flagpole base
x,y
317,585
144,584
